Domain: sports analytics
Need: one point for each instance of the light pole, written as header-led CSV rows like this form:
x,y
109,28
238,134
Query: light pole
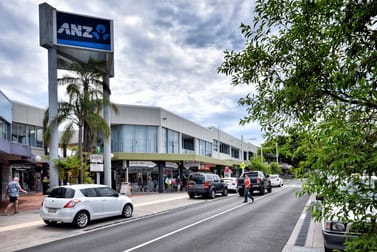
x,y
277,153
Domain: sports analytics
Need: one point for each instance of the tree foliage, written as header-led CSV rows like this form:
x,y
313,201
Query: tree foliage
x,y
314,68
85,88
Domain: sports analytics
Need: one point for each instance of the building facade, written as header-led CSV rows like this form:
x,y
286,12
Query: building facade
x,y
21,144
151,147
151,144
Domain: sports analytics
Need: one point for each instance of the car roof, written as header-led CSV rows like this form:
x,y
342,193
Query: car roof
x,y
82,186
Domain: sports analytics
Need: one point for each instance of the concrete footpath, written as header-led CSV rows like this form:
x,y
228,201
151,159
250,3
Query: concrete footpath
x,y
306,236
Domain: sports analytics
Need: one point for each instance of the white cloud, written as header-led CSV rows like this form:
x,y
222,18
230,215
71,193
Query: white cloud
x,y
166,55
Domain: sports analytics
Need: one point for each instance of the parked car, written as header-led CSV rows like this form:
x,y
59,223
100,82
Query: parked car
x,y
232,184
276,180
206,185
334,230
258,182
79,204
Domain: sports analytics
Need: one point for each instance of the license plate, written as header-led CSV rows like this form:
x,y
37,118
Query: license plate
x,y
52,210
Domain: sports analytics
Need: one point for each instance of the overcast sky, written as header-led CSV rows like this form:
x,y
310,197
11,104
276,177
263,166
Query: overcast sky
x,y
166,54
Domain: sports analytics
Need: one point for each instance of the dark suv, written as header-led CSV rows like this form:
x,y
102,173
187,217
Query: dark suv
x,y
207,185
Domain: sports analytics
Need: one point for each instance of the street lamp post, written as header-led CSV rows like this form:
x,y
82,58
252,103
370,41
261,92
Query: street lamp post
x,y
277,153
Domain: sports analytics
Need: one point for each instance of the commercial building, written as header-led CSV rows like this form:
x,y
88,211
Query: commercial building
x,y
21,144
149,146
151,143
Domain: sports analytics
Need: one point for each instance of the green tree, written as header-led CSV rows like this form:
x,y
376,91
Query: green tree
x,y
313,66
84,106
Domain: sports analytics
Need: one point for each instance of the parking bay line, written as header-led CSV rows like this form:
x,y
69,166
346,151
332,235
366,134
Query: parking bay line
x,y
181,229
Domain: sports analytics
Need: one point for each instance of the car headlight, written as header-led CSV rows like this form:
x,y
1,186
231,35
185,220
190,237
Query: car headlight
x,y
335,226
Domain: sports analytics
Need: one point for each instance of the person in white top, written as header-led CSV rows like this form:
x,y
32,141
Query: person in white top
x,y
13,192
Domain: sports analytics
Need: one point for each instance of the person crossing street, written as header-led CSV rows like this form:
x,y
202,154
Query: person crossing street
x,y
246,191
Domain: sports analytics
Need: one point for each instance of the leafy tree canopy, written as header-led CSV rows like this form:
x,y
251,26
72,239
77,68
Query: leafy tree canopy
x,y
314,66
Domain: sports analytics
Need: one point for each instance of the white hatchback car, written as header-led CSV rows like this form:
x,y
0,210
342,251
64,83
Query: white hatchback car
x,y
232,184
276,180
79,204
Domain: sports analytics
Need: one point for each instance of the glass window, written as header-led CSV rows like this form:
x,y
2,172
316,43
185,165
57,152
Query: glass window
x,y
170,139
105,192
39,138
134,138
215,145
89,192
27,134
235,152
4,130
208,149
62,192
224,148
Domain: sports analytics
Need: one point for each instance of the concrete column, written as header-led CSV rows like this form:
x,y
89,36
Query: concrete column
x,y
107,140
52,113
161,182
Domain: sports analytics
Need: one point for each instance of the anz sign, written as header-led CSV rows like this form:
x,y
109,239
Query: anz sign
x,y
83,31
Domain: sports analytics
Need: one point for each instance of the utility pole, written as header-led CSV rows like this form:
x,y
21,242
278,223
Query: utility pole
x,y
277,153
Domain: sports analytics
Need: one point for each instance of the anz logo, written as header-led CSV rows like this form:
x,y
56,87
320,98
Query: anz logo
x,y
84,31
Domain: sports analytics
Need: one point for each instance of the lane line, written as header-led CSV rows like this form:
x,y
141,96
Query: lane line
x,y
183,228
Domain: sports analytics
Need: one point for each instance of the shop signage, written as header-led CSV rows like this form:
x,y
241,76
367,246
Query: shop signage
x,y
96,167
142,164
83,31
96,158
171,165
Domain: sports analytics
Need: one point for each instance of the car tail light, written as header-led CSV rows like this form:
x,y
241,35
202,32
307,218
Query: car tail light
x,y
71,203
206,184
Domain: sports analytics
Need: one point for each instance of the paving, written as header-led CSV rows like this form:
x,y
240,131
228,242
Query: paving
x,y
306,236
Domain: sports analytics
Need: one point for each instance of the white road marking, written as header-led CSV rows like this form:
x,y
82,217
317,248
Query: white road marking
x,y
40,222
181,229
22,225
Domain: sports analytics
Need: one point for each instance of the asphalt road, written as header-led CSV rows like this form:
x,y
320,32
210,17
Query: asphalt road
x,y
223,224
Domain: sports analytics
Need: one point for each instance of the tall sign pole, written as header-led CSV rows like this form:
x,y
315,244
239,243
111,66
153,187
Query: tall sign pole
x,y
107,140
52,114
71,37
46,27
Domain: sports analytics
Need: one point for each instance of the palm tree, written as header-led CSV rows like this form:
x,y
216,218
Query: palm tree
x,y
84,105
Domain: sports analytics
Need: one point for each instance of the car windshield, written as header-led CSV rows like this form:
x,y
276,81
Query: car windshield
x,y
197,178
252,174
274,176
62,192
366,185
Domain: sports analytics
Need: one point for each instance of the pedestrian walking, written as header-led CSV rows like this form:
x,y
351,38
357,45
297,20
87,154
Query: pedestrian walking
x,y
246,191
13,192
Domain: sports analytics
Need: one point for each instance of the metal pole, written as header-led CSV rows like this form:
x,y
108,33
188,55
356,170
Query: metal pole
x,y
277,153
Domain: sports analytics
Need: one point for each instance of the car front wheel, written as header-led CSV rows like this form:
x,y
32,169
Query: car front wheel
x,y
212,194
261,190
240,192
225,192
127,211
81,219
